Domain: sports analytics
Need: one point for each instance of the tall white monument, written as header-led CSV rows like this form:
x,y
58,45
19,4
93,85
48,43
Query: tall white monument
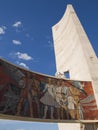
x,y
74,53
73,104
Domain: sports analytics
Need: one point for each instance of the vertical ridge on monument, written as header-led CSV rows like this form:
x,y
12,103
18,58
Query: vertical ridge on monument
x,y
27,95
72,47
73,51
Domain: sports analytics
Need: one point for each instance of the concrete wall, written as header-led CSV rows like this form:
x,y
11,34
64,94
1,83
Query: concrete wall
x,y
68,126
77,126
73,50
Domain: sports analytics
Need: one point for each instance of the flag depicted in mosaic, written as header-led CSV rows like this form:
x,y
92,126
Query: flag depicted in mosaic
x,y
28,94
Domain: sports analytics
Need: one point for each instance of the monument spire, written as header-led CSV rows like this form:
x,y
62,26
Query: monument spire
x,y
74,53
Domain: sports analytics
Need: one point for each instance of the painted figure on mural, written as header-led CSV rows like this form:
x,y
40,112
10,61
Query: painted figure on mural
x,y
79,109
9,94
11,97
64,106
58,97
25,94
48,98
35,93
79,86
76,91
29,94
71,105
64,100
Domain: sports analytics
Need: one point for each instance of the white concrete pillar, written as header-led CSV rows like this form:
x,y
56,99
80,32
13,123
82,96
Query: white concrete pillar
x,y
77,126
69,126
73,50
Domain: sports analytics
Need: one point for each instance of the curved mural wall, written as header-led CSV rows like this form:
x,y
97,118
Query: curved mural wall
x,y
28,94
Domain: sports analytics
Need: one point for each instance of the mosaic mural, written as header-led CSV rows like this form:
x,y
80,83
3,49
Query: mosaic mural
x,y
28,94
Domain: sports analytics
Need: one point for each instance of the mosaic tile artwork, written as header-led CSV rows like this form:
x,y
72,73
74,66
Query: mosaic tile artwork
x,y
28,94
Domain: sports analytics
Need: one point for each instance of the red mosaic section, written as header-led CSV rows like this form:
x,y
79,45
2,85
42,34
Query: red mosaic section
x,y
28,94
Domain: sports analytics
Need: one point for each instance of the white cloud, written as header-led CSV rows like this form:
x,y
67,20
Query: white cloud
x,y
23,56
23,64
50,44
16,42
2,29
17,24
27,35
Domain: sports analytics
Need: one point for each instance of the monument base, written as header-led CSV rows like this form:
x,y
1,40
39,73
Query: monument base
x,y
78,126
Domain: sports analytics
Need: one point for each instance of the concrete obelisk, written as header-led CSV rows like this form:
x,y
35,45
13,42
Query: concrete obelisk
x,y
74,53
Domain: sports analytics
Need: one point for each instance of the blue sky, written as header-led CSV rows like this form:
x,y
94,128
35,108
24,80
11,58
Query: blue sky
x,y
26,34
21,125
26,37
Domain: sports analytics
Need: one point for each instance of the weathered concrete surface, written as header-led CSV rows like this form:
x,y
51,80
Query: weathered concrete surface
x,y
74,53
73,50
77,126
68,126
